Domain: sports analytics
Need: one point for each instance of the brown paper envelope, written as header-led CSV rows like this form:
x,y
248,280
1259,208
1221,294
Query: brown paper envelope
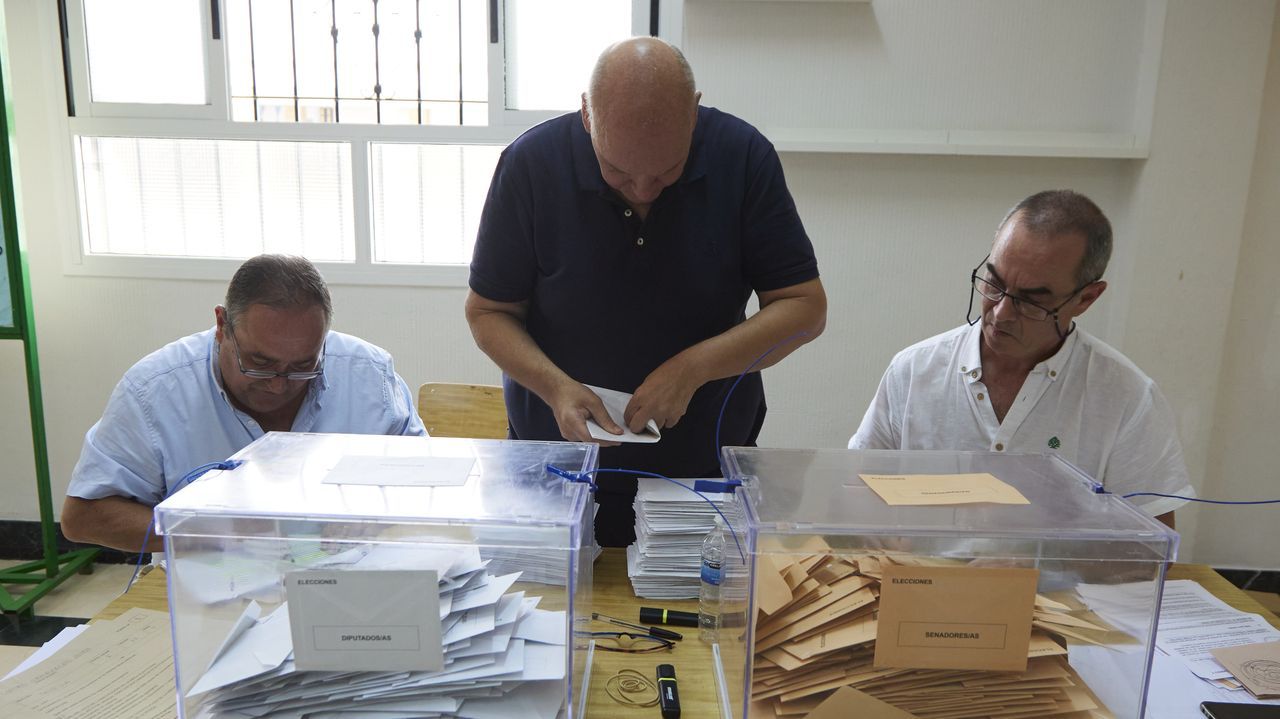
x,y
1043,602
772,591
1068,620
833,572
858,632
955,618
849,702
837,591
808,590
938,489
1082,635
794,575
761,710
814,562
1043,645
1257,666
831,613
853,617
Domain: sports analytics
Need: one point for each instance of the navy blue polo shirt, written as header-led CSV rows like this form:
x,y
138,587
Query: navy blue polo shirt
x,y
612,297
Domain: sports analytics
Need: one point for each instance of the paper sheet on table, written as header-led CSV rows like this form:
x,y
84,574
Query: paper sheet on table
x,y
933,489
118,669
1173,692
615,403
385,471
48,649
1193,621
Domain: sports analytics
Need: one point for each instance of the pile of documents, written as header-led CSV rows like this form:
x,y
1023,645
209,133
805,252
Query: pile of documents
x,y
120,667
1196,628
499,655
665,561
815,634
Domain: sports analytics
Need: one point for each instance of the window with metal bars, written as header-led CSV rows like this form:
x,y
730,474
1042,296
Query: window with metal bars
x,y
360,133
415,62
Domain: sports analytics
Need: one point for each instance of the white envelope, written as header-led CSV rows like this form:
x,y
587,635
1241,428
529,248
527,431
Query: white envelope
x,y
615,403
365,620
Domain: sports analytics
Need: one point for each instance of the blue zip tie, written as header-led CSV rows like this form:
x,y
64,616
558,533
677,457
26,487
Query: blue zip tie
x,y
226,464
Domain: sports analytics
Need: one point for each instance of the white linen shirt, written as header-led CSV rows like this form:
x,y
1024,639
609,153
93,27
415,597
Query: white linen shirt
x,y
1087,404
169,414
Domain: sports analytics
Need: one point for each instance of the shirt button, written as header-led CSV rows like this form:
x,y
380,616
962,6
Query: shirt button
x,y
974,373
963,368
999,447
1053,373
981,396
626,212
639,242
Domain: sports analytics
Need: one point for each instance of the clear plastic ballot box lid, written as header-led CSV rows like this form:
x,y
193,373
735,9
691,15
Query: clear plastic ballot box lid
x,y
333,573
808,515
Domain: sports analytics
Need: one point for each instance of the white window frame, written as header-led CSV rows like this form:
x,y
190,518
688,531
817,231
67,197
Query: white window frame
x,y
212,121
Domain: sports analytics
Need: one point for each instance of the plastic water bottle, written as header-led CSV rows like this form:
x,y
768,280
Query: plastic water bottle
x,y
709,594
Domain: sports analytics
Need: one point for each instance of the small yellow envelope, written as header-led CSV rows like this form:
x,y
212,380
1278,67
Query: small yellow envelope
x,y
934,489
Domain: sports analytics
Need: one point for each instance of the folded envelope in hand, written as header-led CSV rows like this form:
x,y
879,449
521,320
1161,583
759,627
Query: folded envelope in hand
x,y
615,403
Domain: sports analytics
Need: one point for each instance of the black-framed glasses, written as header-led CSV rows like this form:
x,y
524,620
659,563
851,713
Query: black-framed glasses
x,y
1025,307
272,374
630,642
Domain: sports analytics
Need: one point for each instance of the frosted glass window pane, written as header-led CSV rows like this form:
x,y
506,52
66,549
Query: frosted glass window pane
x,y
550,53
146,51
217,198
427,200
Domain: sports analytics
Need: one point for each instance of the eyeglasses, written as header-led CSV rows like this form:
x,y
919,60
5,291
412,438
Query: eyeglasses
x,y
271,374
1025,307
629,642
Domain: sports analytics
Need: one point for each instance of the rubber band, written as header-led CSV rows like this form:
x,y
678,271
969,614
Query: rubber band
x,y
628,683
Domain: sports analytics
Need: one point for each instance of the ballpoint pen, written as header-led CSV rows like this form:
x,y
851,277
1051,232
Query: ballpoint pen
x,y
652,631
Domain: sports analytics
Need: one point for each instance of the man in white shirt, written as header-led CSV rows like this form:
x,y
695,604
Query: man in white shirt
x,y
1021,378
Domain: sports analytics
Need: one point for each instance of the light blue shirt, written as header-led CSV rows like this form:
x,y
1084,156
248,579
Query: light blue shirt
x,y
169,414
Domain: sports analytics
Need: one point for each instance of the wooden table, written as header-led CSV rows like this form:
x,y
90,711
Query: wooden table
x,y
612,595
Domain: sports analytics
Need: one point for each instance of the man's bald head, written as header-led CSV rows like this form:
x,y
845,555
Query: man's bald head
x,y
643,86
640,109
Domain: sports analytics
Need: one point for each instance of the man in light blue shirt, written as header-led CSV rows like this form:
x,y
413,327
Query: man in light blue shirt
x,y
270,364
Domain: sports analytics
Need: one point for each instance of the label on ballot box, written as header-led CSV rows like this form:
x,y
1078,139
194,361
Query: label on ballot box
x,y
955,618
365,620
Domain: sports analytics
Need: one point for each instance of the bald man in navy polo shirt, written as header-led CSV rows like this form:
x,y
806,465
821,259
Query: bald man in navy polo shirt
x,y
618,248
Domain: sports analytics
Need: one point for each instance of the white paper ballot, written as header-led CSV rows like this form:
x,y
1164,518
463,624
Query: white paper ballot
x,y
615,403
385,471
376,621
259,648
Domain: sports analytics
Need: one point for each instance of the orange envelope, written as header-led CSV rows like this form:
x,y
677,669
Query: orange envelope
x,y
955,618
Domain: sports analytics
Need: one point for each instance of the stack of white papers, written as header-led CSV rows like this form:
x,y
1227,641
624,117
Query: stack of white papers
x,y
665,561
503,657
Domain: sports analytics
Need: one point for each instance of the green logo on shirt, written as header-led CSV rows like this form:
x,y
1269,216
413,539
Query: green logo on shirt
x,y
1054,443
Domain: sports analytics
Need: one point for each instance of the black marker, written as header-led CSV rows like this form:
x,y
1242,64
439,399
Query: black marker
x,y
668,697
649,615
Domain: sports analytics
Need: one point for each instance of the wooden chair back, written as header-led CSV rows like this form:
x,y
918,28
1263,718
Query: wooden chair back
x,y
463,410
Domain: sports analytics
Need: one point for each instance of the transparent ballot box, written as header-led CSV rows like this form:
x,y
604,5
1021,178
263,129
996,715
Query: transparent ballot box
x,y
947,585
357,575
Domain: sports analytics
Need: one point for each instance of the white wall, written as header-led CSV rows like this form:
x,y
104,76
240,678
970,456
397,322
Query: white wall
x,y
895,235
1242,463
